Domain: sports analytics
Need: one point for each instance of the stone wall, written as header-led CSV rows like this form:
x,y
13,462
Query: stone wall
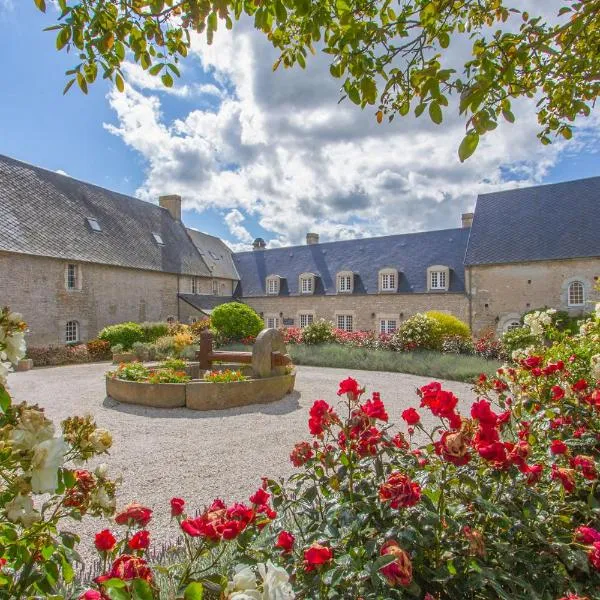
x,y
35,286
365,309
204,286
501,293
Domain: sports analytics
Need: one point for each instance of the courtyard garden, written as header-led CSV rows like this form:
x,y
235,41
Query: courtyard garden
x,y
417,488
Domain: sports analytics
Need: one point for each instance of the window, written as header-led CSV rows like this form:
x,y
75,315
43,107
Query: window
x,y
388,280
307,283
194,285
576,294
306,319
387,325
72,332
512,324
344,322
158,239
215,288
273,285
437,280
171,320
272,322
72,279
93,223
345,282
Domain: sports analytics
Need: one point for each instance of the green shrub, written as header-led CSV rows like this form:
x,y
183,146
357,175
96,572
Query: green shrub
x,y
153,330
99,350
561,319
189,352
449,324
141,351
117,349
134,371
235,321
457,344
125,334
173,363
165,346
418,332
318,332
517,339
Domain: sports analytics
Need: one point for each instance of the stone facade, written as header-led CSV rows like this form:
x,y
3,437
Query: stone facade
x,y
502,293
366,310
206,286
35,286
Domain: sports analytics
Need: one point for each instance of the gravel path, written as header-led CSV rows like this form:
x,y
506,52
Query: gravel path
x,y
198,456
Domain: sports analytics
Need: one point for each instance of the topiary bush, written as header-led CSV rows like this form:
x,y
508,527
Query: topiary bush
x,y
318,332
235,321
125,334
153,330
449,324
418,332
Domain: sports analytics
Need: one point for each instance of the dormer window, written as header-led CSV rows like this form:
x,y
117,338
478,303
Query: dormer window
x,y
307,283
438,278
388,280
158,238
273,285
345,282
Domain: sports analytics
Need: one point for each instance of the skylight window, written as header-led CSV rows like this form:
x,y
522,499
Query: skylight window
x,y
93,223
158,238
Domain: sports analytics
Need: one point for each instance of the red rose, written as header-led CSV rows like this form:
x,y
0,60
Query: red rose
x,y
321,417
399,490
534,473
285,541
219,522
316,555
580,386
558,447
91,595
587,535
441,403
587,466
351,387
400,441
134,514
594,556
532,362
177,506
140,541
375,409
453,447
131,567
260,497
557,392
301,454
411,416
105,541
565,476
398,572
482,411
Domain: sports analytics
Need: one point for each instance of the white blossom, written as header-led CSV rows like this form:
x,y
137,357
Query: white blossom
x,y
21,510
276,582
32,429
48,457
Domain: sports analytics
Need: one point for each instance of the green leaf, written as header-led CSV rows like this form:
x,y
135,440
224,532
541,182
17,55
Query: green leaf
x,y
141,590
419,109
82,83
174,69
41,4
194,591
167,80
117,593
119,83
62,39
508,116
435,112
468,145
280,12
156,69
4,399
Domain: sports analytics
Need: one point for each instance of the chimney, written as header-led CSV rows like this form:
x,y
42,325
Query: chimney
x,y
312,238
467,219
173,204
259,244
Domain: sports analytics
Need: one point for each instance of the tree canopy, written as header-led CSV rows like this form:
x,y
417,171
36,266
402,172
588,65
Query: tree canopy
x,y
395,56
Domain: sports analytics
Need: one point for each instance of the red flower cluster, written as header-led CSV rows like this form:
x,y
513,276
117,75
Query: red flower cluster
x,y
127,567
398,572
374,408
301,454
219,521
177,506
140,541
321,417
316,555
105,541
134,514
350,387
565,476
586,465
411,416
590,537
399,491
79,495
454,447
285,541
440,402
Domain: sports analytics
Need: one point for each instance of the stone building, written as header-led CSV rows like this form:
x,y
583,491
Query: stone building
x,y
75,257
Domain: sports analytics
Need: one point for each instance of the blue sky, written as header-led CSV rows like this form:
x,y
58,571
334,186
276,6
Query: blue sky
x,y
255,153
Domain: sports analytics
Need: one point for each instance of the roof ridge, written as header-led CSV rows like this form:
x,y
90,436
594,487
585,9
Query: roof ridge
x,y
540,185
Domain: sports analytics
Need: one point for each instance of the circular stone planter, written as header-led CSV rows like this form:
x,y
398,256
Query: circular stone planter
x,y
157,395
206,395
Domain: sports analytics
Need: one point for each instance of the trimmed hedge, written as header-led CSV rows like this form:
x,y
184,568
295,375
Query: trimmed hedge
x,y
236,321
449,324
123,334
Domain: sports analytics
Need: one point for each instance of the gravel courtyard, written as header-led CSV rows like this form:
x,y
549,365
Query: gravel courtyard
x,y
198,456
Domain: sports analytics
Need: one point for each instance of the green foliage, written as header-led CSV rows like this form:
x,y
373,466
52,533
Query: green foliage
x,y
318,332
99,350
136,371
449,324
419,332
125,334
235,320
165,346
226,376
518,339
143,351
52,356
153,330
457,344
173,363
561,319
513,53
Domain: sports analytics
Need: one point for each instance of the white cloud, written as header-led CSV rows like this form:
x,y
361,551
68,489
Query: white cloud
x,y
281,149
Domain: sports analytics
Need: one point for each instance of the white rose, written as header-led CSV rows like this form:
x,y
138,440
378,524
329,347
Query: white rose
x,y
20,510
595,364
101,471
5,369
247,595
101,440
48,456
100,498
15,346
244,578
32,429
276,582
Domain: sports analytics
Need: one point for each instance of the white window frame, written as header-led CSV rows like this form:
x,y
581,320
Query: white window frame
x,y
388,280
272,321
307,283
307,316
72,332
345,282
438,278
76,277
570,287
194,285
344,321
511,324
273,285
385,324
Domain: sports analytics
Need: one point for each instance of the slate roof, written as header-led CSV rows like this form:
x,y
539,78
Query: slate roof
x,y
546,222
45,214
206,304
410,253
215,253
